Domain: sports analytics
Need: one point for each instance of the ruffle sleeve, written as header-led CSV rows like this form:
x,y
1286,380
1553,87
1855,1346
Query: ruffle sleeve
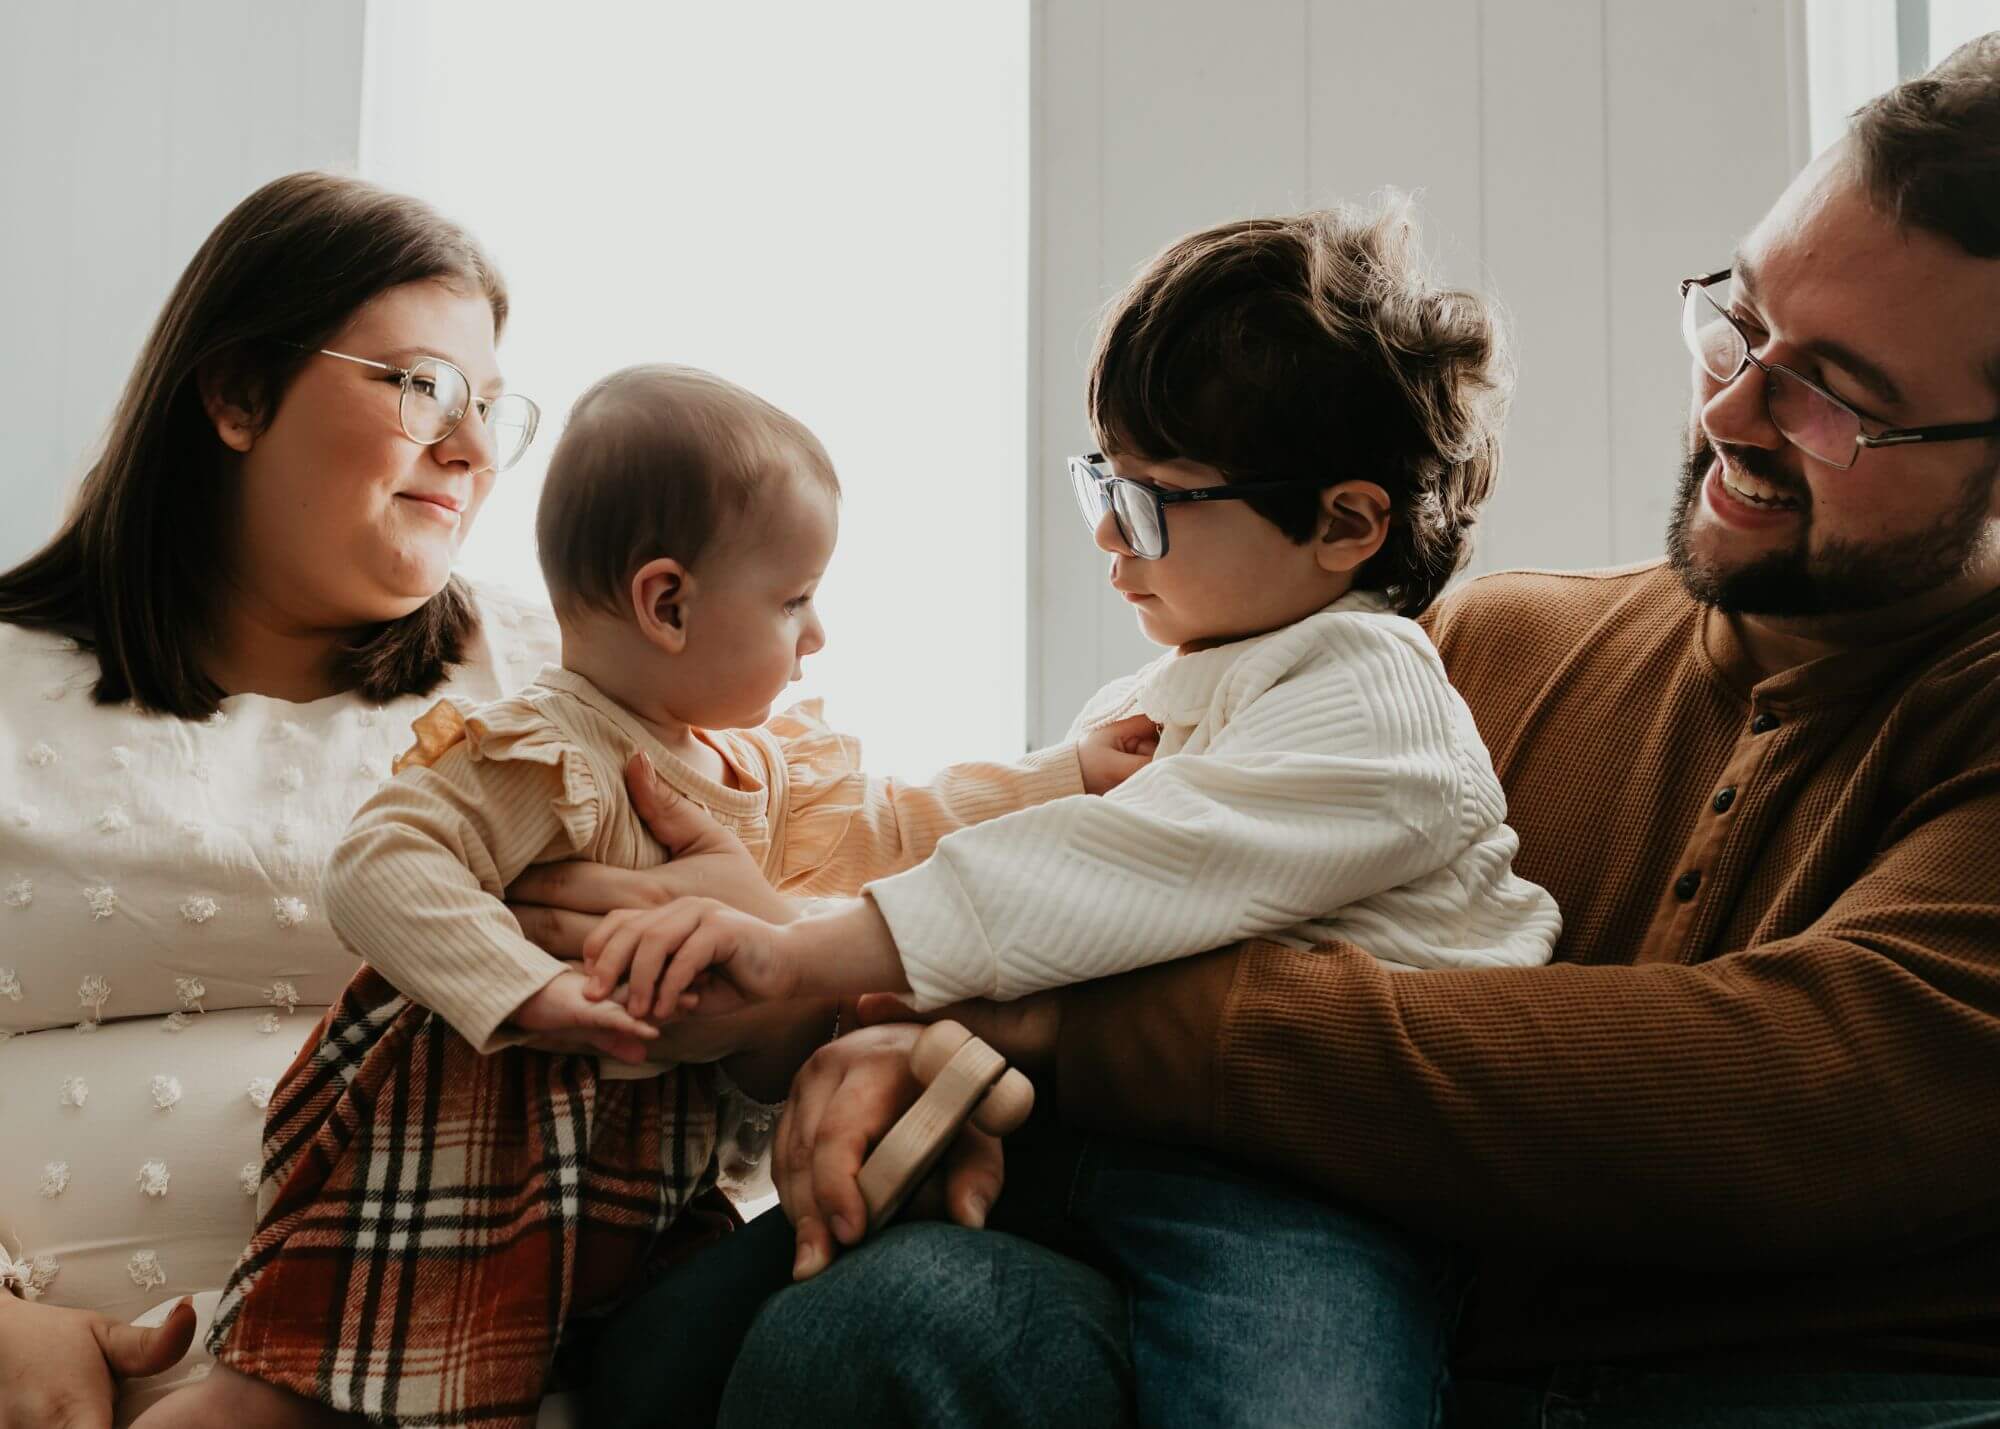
x,y
512,731
827,790
843,829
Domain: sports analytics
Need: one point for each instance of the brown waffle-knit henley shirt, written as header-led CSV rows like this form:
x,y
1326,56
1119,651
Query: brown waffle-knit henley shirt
x,y
1747,1113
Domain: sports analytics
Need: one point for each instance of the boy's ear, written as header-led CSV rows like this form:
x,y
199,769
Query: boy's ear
x,y
230,411
662,591
1353,524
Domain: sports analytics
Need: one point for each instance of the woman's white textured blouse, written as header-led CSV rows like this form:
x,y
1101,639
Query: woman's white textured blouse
x,y
163,952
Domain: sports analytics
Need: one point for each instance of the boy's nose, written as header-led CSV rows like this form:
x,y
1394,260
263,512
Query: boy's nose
x,y
1107,538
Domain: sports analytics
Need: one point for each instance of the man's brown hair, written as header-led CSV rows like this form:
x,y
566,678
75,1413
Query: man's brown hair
x,y
138,567
1929,149
658,460
1315,349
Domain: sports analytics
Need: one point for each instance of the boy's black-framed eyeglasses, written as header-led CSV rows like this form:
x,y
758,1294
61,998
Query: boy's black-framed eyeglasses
x,y
1806,414
1139,510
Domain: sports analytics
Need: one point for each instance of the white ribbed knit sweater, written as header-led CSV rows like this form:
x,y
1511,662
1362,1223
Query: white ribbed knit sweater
x,y
1321,782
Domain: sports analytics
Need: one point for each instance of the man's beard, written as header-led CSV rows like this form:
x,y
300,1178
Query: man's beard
x,y
1842,576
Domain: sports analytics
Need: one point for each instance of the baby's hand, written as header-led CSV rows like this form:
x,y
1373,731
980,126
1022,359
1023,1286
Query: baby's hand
x,y
562,1007
1113,753
659,952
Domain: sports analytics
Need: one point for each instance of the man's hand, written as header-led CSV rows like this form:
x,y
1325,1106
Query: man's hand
x,y
562,1010
658,953
1025,1031
844,1100
1113,753
58,1366
559,904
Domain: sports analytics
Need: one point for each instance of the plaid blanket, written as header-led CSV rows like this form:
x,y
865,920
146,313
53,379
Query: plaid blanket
x,y
430,1218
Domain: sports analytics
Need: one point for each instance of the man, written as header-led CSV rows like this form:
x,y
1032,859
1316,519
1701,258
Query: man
x,y
1725,1157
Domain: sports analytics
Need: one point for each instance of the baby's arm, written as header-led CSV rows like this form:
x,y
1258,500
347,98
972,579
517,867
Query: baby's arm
x,y
415,888
892,825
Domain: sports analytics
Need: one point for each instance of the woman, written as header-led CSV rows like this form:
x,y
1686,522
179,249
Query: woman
x,y
211,665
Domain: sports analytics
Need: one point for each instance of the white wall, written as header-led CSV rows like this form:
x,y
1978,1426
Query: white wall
x,y
127,129
1575,159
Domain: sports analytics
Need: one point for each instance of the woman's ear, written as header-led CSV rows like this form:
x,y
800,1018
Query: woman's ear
x,y
662,590
1353,524
229,410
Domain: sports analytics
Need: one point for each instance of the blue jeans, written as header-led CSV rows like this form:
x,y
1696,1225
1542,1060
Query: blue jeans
x,y
1160,1288
937,1326
1250,1302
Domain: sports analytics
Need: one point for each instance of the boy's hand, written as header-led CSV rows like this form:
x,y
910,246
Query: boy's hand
x,y
1113,753
562,1007
659,952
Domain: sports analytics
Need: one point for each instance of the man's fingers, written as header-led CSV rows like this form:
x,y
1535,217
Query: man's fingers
x,y
813,1248
874,1008
132,1351
974,1169
861,1116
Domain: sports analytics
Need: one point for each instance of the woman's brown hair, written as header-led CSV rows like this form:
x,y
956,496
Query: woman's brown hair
x,y
136,570
1315,349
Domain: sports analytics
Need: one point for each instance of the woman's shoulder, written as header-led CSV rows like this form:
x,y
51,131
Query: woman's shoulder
x,y
517,636
42,665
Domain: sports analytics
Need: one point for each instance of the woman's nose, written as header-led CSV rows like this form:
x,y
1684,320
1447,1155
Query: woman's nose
x,y
470,443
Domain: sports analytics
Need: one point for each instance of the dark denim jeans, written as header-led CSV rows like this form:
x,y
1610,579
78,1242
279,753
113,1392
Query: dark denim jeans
x,y
1251,1301
1216,1298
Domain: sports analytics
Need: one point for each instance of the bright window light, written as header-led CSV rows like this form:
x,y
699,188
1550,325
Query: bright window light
x,y
824,203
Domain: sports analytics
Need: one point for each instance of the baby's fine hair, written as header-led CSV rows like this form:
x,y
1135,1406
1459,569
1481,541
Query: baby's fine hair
x,y
659,460
1315,348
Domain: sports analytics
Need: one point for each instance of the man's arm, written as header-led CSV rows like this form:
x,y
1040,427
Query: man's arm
x,y
1838,1088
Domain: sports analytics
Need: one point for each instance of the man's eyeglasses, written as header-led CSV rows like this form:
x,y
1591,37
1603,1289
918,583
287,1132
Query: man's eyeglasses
x,y
1810,417
436,397
1140,510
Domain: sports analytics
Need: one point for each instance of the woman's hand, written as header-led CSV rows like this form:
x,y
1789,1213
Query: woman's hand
x,y
1113,753
559,904
844,1100
58,1366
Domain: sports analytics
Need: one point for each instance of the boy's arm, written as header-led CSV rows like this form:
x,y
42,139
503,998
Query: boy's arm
x,y
1338,783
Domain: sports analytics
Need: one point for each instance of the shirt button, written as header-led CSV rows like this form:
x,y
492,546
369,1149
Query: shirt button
x,y
1764,723
1723,799
1686,884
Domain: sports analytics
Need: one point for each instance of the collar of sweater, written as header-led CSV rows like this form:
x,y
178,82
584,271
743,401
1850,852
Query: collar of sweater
x,y
1178,690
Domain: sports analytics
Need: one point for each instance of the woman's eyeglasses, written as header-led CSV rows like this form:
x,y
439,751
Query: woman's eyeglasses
x,y
436,397
1139,510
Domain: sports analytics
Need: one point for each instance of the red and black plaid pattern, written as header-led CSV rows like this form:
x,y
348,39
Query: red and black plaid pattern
x,y
430,1217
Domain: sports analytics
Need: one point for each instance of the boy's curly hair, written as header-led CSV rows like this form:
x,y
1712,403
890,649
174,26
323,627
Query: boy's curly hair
x,y
1314,348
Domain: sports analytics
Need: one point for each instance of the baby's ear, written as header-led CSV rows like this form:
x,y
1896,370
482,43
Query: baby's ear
x,y
1353,524
662,590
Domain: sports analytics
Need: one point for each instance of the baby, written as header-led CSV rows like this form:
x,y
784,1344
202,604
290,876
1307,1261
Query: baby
x,y
1296,430
440,1193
